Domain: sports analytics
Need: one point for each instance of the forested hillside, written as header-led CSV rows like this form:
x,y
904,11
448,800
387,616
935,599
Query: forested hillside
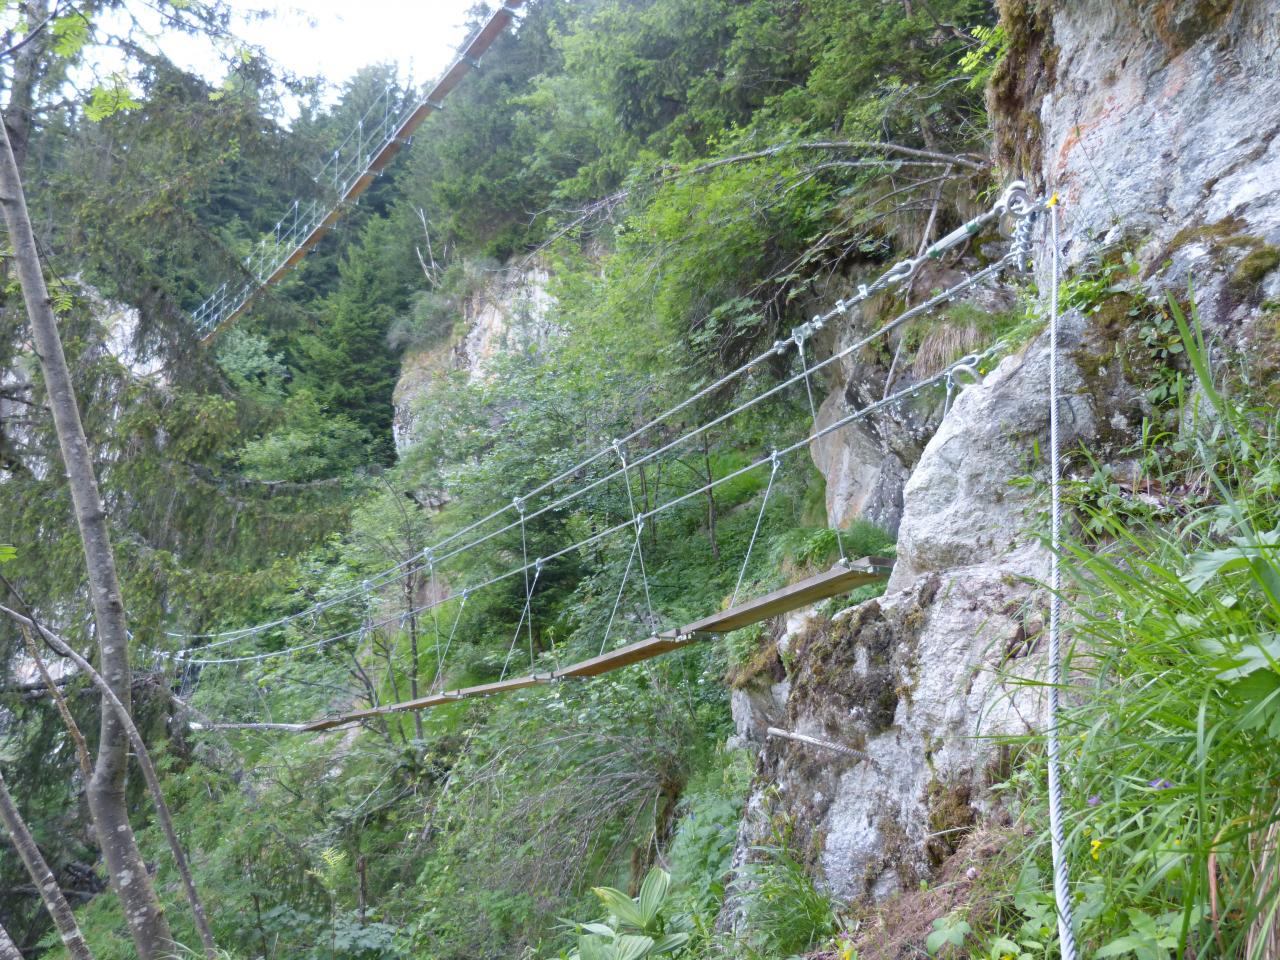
x,y
544,392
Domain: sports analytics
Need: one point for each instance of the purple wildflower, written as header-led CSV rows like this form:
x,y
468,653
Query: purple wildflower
x,y
1160,783
1094,800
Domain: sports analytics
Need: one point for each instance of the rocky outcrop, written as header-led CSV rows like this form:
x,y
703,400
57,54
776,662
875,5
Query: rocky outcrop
x,y
1152,121
961,506
867,463
510,312
921,679
1161,116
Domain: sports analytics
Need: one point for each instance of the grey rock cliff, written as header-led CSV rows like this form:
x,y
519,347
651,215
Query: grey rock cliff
x,y
1158,123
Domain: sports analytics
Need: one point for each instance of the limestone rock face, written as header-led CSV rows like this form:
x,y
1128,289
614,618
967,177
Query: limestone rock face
x,y
511,312
960,506
912,680
1161,117
867,462
1158,123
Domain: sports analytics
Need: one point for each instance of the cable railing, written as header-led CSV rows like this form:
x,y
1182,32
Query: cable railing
x,y
473,535
385,127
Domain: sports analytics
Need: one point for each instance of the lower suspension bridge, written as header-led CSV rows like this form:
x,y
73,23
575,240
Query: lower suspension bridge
x,y
616,463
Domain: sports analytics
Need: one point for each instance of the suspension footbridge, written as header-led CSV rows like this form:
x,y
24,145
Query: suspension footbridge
x,y
386,127
614,464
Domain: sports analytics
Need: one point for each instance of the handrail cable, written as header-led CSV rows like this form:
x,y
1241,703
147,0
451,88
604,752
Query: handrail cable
x,y
901,271
541,562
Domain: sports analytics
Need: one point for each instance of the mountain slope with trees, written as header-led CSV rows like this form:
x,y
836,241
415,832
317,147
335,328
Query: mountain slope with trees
x,y
694,179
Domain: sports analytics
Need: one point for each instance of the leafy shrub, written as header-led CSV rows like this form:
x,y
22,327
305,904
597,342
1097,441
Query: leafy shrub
x,y
786,912
634,929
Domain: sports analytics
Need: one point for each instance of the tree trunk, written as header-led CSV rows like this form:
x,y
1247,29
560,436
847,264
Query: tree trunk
x,y
144,762
711,499
42,877
8,949
106,790
25,76
411,593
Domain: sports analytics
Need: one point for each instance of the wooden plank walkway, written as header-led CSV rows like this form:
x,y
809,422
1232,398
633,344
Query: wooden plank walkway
x,y
839,579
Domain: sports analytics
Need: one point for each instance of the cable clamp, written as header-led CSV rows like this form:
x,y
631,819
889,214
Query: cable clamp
x,y
775,458
780,346
518,503
538,565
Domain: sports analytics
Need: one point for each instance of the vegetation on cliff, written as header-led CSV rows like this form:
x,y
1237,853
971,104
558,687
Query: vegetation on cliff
x,y
696,177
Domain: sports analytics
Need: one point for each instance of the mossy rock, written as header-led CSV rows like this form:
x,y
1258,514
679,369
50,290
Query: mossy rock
x,y
1019,84
951,816
1250,271
1179,23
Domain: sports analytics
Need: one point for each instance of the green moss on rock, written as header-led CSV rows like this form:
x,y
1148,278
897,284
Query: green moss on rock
x,y
951,816
1250,271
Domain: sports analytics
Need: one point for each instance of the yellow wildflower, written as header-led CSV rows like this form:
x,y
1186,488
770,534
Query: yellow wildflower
x,y
1095,846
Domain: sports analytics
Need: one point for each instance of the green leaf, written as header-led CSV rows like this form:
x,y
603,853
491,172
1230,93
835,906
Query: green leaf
x,y
7,553
670,943
652,893
110,98
620,905
632,947
946,930
1121,946
70,34
1236,658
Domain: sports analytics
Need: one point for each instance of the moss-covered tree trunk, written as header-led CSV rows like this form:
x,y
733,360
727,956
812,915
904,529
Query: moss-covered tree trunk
x,y
43,879
106,790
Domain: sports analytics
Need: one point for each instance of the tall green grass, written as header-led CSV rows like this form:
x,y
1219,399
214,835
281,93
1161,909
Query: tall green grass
x,y
1171,742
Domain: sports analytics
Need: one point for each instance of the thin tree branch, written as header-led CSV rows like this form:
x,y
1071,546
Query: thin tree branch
x,y
141,753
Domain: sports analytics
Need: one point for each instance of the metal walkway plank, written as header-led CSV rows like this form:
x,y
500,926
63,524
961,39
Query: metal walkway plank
x,y
839,579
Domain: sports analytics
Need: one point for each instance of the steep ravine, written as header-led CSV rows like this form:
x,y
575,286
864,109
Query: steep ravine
x,y
1157,124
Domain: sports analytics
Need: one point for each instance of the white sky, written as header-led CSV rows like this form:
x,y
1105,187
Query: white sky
x,y
335,38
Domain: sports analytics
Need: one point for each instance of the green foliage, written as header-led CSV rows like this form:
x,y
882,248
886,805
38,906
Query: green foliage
x,y
634,929
786,912
110,98
308,445
983,59
948,931
1168,739
260,478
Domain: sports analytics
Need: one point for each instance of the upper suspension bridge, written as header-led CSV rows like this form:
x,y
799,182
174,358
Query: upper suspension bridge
x,y
385,128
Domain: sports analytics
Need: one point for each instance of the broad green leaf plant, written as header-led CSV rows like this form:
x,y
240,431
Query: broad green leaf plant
x,y
635,928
